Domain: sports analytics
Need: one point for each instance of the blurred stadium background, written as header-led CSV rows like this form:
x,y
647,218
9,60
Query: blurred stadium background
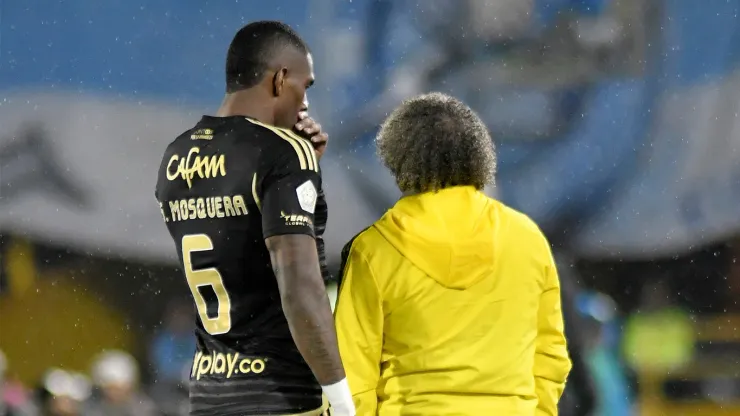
x,y
617,129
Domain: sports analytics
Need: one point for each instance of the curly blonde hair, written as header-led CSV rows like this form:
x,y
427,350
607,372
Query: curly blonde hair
x,y
435,141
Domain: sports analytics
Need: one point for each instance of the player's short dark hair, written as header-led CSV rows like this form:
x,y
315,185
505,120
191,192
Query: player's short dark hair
x,y
253,48
434,141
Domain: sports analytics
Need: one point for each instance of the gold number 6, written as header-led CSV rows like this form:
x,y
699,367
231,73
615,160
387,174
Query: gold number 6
x,y
220,324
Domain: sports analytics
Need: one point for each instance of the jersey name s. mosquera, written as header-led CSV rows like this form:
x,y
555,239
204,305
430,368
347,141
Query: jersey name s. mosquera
x,y
223,187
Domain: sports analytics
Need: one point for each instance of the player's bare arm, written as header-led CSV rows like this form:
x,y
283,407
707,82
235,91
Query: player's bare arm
x,y
305,304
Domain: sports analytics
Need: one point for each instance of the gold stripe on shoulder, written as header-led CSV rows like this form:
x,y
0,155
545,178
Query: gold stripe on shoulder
x,y
309,154
313,164
306,162
299,150
254,192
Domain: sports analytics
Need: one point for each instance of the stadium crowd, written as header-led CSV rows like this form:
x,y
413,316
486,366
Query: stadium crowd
x,y
113,385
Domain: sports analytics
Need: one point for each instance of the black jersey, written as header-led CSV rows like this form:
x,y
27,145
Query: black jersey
x,y
223,187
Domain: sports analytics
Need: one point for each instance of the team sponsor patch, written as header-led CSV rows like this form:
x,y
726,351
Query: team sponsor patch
x,y
296,219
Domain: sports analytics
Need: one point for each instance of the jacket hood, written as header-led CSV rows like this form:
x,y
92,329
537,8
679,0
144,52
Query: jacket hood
x,y
448,234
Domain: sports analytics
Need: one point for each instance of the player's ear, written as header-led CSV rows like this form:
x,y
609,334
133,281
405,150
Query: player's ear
x,y
278,81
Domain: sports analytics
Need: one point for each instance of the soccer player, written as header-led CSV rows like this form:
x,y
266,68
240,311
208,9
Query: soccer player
x,y
450,303
240,194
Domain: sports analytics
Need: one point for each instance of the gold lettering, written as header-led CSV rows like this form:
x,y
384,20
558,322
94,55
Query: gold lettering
x,y
219,364
175,210
225,365
244,366
217,207
228,207
231,361
172,176
202,134
196,363
257,366
205,207
191,209
210,210
204,167
240,205
161,210
201,206
204,366
183,209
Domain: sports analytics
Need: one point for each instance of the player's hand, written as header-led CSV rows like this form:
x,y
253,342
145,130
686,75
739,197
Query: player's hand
x,y
310,129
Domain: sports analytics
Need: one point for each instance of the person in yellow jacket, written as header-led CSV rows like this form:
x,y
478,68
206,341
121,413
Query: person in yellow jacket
x,y
450,303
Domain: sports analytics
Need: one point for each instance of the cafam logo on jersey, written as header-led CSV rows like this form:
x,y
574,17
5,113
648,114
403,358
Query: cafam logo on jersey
x,y
225,365
187,168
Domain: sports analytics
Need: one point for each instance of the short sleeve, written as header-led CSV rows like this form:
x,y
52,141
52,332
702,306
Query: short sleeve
x,y
290,185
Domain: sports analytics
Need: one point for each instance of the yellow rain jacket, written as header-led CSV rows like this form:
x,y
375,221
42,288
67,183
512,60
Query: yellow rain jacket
x,y
450,305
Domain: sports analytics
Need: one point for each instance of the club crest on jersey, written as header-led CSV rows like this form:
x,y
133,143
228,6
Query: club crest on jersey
x,y
307,196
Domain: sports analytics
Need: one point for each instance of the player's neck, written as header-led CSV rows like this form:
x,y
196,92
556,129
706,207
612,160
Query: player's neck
x,y
243,103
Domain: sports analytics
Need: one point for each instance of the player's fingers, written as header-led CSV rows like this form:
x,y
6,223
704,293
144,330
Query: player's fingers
x,y
305,124
320,139
309,129
302,115
313,129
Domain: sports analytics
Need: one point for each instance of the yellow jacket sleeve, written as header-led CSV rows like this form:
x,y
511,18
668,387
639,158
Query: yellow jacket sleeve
x,y
551,364
359,321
